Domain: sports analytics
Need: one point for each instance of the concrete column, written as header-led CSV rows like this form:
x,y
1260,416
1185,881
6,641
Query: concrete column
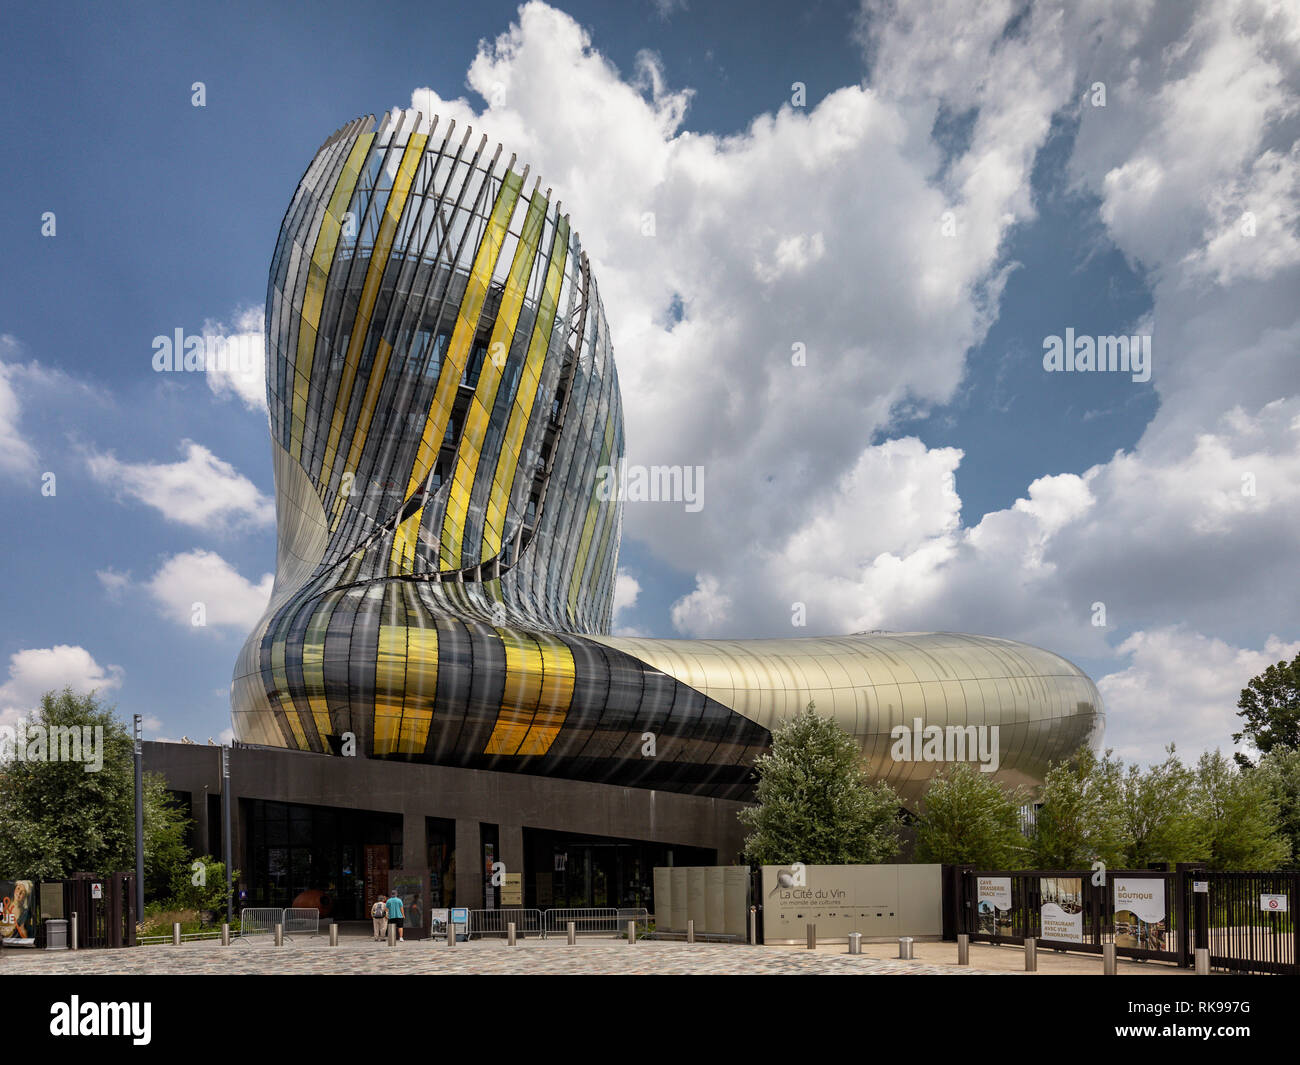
x,y
512,847
469,864
415,841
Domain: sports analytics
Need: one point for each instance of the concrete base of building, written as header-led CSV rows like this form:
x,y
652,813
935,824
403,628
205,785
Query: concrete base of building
x,y
474,801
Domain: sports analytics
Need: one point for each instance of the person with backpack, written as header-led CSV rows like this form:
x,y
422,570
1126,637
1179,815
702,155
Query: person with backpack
x,y
396,913
379,915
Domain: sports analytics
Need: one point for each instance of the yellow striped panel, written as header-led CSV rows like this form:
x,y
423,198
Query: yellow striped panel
x,y
556,697
421,673
362,430
489,380
390,672
453,365
283,691
313,663
421,684
522,690
370,292
590,523
317,276
513,439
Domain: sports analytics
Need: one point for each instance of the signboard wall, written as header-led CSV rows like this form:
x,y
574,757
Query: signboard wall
x,y
715,897
879,901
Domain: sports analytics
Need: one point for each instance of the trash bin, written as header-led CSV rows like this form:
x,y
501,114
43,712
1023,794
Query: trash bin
x,y
56,934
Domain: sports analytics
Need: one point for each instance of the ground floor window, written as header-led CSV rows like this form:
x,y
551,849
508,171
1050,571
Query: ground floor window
x,y
567,869
333,859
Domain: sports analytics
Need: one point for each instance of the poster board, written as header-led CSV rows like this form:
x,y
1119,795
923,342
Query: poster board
x,y
1141,912
993,905
18,914
1061,908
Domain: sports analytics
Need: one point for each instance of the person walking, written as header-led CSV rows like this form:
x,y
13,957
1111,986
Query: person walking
x,y
379,916
396,914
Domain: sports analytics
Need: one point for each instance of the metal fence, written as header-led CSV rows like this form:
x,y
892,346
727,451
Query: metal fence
x,y
587,921
259,921
301,920
1244,934
1085,915
493,922
599,920
1246,919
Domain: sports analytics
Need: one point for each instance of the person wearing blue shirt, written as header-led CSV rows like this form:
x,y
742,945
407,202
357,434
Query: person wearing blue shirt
x,y
396,914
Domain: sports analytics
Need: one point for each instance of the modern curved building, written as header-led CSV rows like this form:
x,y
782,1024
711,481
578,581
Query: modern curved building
x,y
444,409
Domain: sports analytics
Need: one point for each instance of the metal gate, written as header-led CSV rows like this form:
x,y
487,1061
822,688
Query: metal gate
x,y
1244,932
108,920
1247,920
1086,914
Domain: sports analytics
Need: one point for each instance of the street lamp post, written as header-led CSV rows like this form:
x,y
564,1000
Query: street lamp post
x,y
225,817
139,818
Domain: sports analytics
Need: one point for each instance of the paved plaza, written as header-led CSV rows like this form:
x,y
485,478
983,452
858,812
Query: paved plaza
x,y
357,954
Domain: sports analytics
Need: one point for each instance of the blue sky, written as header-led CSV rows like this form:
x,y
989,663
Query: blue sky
x,y
924,471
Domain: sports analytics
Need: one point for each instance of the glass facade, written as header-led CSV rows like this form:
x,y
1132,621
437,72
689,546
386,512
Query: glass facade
x,y
443,398
568,869
340,857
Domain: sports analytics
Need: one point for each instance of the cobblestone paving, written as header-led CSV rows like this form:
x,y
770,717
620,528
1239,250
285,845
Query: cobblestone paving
x,y
360,955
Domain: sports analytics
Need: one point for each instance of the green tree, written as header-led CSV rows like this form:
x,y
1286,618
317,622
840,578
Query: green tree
x,y
57,819
1240,816
165,826
815,802
1270,706
969,818
210,893
1158,816
1280,769
1079,820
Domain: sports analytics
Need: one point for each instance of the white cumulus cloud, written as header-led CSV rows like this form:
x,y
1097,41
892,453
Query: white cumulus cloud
x,y
203,585
37,670
201,490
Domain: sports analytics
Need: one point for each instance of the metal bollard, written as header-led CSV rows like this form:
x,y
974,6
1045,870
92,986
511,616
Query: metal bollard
x,y
225,935
74,930
510,933
855,942
963,949
334,935
573,933
905,948
279,935
753,925
631,933
1202,961
812,937
690,931
176,933
392,934
1031,955
1109,960
451,934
